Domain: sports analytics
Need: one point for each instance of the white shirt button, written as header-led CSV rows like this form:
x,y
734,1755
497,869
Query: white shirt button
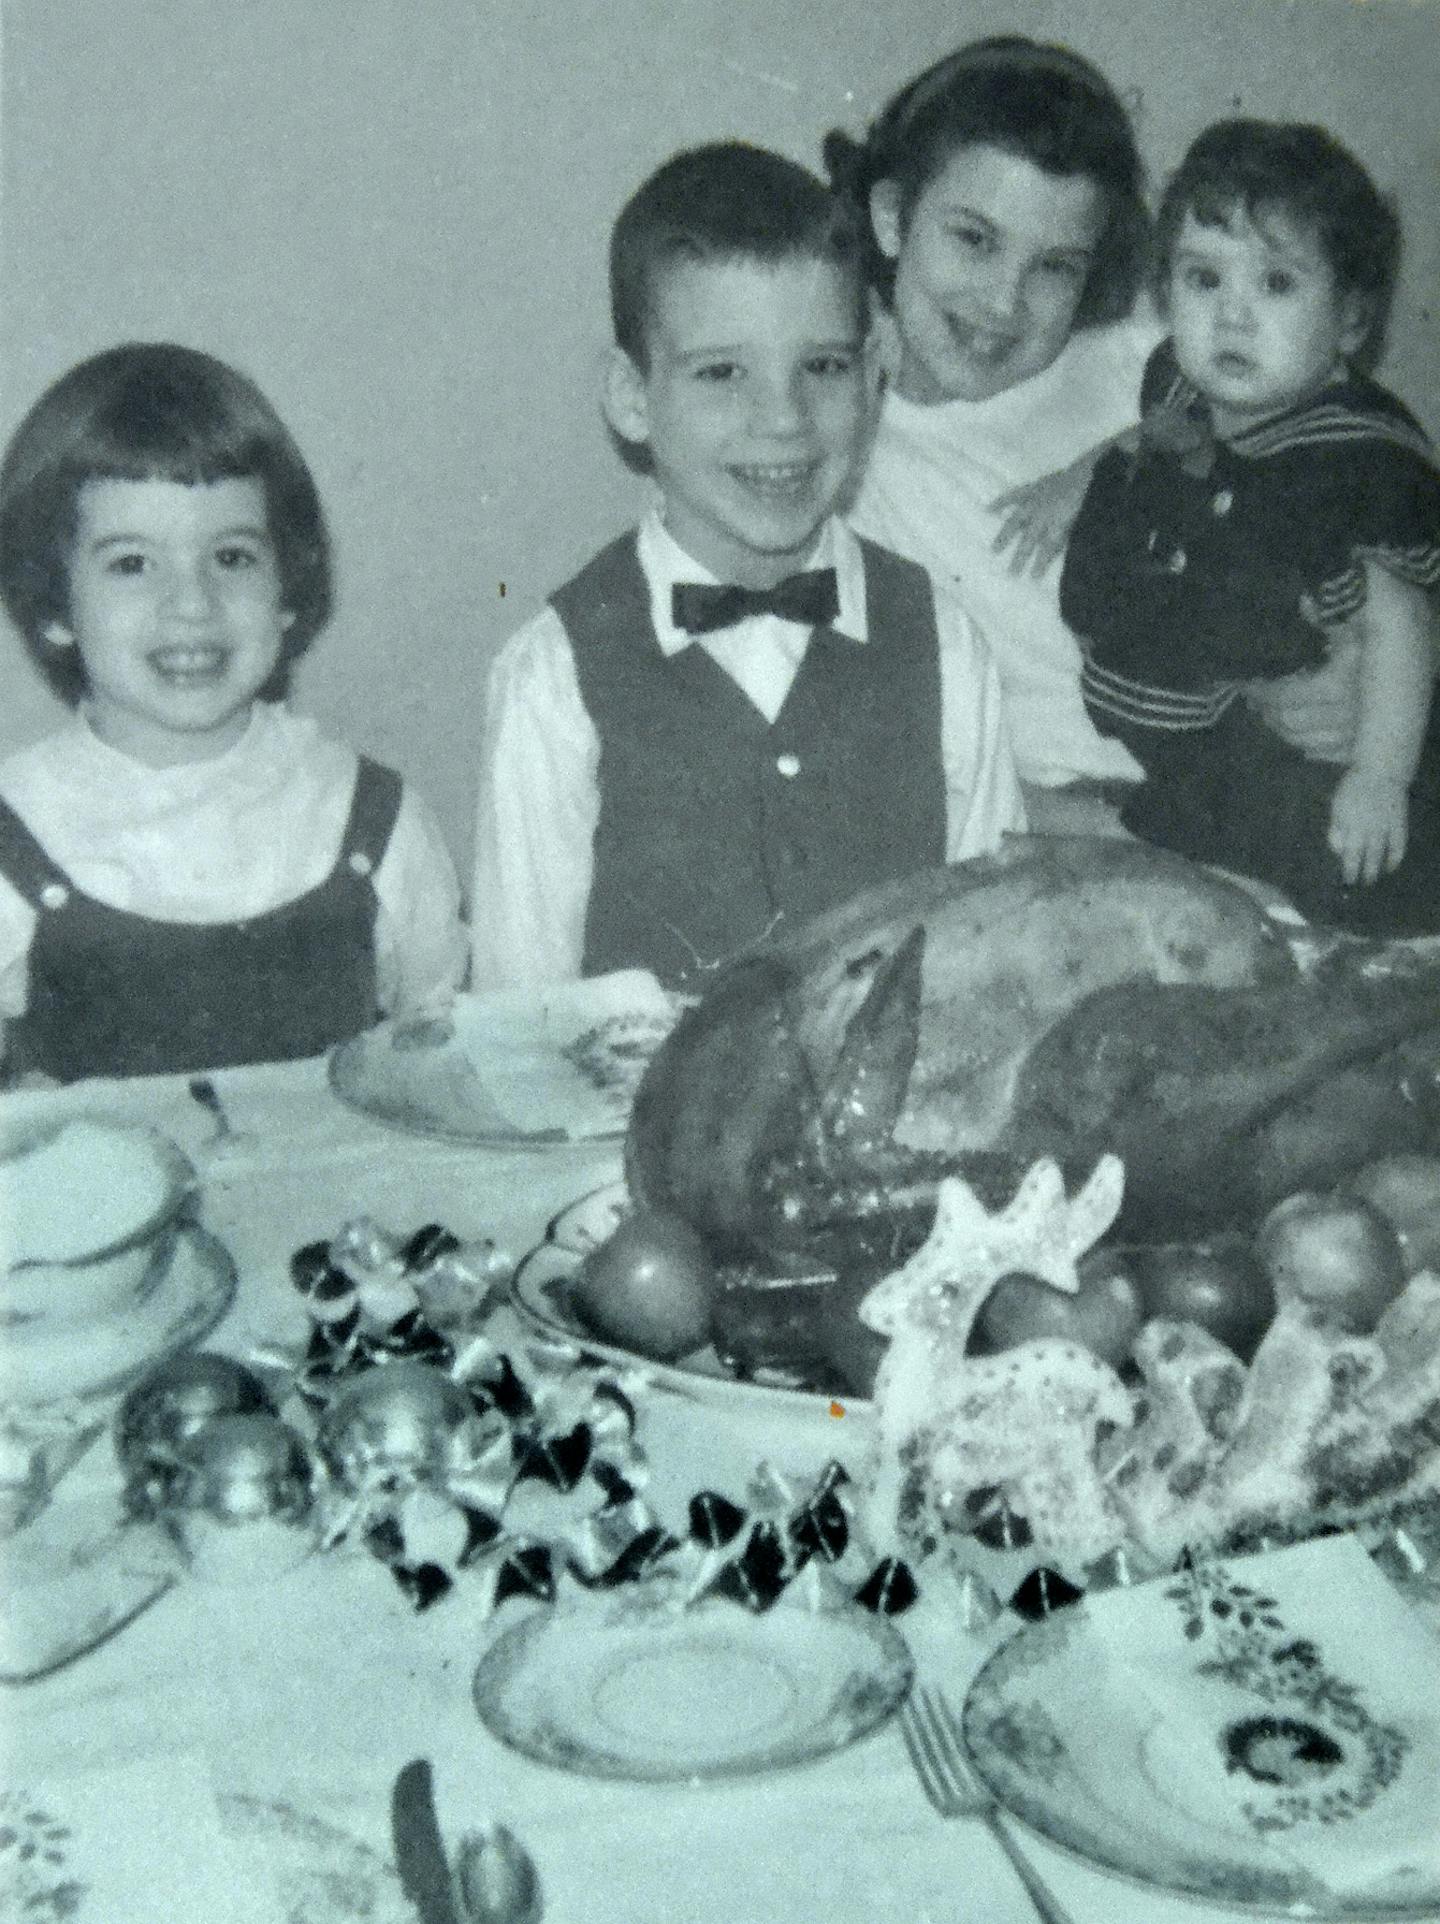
x,y
788,765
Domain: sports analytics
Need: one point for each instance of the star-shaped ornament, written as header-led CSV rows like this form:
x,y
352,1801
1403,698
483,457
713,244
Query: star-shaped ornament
x,y
1041,1232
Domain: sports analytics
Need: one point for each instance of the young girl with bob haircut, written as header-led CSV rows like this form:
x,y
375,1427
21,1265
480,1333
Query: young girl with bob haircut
x,y
1276,498
190,875
1004,198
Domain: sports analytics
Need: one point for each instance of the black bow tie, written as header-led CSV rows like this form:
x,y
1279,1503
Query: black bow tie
x,y
700,608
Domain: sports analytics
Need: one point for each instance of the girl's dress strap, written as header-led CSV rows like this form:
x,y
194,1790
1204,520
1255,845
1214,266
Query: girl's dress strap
x,y
374,805
24,862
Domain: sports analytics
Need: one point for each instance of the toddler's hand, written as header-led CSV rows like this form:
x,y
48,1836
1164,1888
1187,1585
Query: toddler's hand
x,y
1369,818
1315,710
1035,520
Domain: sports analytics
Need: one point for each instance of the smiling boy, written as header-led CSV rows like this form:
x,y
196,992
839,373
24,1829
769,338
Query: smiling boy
x,y
738,713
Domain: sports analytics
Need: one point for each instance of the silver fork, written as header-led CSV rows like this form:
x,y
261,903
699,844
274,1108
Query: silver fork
x,y
937,1750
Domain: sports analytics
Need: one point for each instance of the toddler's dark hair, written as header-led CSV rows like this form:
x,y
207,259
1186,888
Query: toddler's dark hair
x,y
1042,103
1260,169
150,411
722,202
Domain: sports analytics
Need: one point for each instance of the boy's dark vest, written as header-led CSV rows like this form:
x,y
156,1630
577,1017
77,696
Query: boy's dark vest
x,y
117,994
716,825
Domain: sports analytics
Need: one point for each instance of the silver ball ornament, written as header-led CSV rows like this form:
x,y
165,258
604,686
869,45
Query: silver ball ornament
x,y
241,1500
390,1428
178,1400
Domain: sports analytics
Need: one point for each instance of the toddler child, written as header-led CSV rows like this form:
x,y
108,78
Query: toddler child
x,y
1004,201
738,713
1276,497
190,876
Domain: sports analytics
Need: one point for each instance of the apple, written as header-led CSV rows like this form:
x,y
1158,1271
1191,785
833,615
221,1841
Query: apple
x,y
648,1286
1406,1191
1335,1253
1104,1313
1221,1286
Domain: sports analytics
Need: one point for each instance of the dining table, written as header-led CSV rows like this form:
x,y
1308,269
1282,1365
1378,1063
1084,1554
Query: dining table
x,y
284,1700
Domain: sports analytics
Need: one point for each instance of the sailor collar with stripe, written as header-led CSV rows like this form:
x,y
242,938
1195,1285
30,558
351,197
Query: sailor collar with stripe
x,y
1333,415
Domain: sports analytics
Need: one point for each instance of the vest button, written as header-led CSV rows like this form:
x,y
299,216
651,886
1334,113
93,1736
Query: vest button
x,y
360,863
1177,562
1223,503
788,765
54,895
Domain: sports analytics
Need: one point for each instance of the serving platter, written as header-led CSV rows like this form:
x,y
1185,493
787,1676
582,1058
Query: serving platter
x,y
543,1290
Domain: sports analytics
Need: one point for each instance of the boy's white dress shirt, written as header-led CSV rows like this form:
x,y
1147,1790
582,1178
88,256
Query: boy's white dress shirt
x,y
539,802
931,477
225,839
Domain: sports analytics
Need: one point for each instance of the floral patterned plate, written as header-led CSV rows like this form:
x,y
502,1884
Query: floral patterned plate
x,y
666,1695
1066,1752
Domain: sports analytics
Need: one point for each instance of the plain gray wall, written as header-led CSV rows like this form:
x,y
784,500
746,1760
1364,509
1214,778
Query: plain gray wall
x,y
393,213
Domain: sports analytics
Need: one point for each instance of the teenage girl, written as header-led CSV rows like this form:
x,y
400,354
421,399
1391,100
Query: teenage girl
x,y
1004,195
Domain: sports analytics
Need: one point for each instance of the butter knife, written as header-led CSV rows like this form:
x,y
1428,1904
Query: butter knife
x,y
420,1857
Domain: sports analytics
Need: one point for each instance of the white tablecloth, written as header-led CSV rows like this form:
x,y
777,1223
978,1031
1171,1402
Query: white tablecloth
x,y
311,1689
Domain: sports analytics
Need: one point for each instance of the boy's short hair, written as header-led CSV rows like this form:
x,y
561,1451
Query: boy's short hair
x,y
150,411
723,202
1045,104
1262,168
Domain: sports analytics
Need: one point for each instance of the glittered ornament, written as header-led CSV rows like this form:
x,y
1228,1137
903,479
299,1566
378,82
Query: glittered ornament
x,y
178,1400
391,1427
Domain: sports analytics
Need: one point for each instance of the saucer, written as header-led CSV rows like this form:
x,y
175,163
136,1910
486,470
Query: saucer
x,y
179,1303
663,1695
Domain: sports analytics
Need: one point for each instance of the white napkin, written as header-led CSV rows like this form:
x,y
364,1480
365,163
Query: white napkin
x,y
565,1058
140,1844
1288,1698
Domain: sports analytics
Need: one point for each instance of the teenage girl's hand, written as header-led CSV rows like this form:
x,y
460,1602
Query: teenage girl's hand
x,y
1035,520
1369,818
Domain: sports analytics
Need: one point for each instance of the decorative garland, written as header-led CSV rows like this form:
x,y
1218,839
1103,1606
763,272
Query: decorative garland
x,y
405,1429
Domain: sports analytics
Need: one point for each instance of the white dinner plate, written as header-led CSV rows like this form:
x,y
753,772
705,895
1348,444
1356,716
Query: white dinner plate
x,y
431,1093
543,1290
1060,1752
663,1695
512,1068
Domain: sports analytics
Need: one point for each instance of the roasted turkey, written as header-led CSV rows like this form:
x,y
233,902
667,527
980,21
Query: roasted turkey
x,y
1066,997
